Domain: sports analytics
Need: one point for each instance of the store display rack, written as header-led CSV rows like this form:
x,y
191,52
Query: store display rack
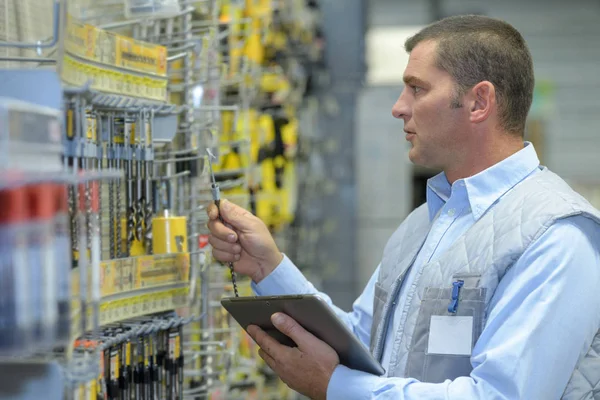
x,y
106,115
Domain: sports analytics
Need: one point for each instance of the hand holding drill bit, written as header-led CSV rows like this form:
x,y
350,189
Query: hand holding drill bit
x,y
216,194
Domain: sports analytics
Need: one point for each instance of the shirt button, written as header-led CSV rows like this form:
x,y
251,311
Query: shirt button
x,y
451,212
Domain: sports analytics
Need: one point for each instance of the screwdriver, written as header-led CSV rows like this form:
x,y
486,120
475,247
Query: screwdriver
x,y
216,194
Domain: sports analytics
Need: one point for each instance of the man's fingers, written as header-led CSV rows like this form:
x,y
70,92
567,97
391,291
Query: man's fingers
x,y
289,327
269,345
238,217
225,256
212,211
268,359
222,245
222,232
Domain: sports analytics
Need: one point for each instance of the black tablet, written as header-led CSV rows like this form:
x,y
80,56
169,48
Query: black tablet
x,y
315,315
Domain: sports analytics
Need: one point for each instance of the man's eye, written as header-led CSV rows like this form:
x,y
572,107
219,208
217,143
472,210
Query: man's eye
x,y
416,89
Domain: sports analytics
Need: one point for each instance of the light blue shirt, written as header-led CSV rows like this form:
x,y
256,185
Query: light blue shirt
x,y
542,317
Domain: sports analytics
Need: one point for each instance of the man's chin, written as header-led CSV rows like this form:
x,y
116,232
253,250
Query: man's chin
x,y
418,160
413,156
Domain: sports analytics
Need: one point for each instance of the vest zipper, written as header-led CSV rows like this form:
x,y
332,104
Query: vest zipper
x,y
383,325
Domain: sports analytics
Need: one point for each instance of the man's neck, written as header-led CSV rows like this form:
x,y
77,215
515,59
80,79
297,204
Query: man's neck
x,y
480,158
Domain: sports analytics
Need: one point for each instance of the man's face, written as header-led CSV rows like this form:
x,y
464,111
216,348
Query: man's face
x,y
436,128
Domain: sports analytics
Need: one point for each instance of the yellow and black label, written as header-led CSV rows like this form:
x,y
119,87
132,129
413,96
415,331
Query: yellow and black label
x,y
130,129
91,126
114,364
148,132
70,123
147,352
128,354
119,131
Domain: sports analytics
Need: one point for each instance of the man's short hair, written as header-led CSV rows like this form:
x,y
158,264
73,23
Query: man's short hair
x,y
474,48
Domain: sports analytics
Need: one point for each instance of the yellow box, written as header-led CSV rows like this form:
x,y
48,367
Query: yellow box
x,y
169,235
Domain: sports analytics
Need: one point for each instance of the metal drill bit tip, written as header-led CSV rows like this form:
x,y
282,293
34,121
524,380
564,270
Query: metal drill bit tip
x,y
210,157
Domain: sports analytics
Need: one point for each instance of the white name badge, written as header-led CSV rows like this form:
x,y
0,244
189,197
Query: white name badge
x,y
450,335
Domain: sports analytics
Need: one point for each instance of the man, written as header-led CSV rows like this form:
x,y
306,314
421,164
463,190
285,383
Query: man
x,y
487,291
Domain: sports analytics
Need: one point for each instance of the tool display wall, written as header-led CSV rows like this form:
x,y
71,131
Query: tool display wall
x,y
103,188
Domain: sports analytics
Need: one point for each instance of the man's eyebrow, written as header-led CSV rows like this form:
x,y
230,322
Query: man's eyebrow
x,y
413,81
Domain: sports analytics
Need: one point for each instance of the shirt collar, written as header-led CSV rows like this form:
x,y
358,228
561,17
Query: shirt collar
x,y
486,187
438,193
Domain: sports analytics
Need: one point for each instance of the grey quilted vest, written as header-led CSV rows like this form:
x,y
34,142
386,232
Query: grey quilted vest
x,y
479,258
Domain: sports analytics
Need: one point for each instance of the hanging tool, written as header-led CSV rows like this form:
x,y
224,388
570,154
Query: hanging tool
x,y
129,195
155,368
148,173
161,357
118,141
125,371
110,153
180,363
216,194
83,198
114,366
138,141
138,367
148,388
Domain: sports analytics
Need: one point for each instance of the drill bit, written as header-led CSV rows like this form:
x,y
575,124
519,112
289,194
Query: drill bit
x,y
148,208
88,203
111,211
137,150
100,164
119,187
148,172
216,194
140,207
73,218
130,208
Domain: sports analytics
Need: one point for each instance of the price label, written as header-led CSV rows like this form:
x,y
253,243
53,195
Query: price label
x,y
127,307
145,300
180,298
107,313
115,310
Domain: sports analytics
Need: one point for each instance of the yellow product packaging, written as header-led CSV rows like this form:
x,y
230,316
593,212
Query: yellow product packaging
x,y
169,235
107,278
127,274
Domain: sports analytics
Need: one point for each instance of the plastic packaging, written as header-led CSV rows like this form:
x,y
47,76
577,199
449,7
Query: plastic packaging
x,y
83,262
64,262
15,307
95,251
42,263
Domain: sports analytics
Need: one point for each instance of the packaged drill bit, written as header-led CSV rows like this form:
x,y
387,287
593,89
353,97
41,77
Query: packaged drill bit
x,y
161,359
62,243
125,371
174,354
147,371
114,366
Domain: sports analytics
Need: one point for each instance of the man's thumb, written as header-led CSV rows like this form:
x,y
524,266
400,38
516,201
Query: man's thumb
x,y
235,215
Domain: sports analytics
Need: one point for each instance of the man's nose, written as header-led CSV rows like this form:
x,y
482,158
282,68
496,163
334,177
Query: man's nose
x,y
401,109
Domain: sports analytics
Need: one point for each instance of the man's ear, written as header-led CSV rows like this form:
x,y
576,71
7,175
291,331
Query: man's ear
x,y
483,101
